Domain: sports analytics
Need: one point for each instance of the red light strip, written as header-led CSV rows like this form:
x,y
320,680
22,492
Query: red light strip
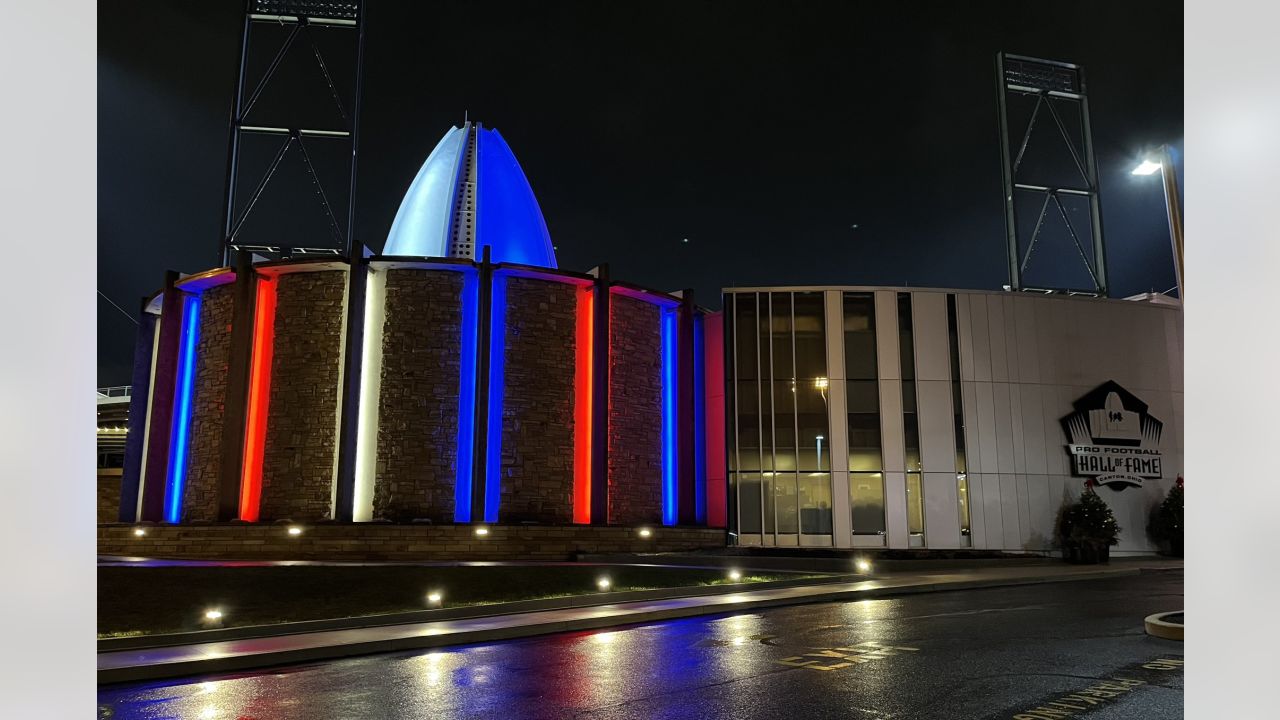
x,y
264,330
582,408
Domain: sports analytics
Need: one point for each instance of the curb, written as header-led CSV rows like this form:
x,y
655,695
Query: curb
x,y
1157,626
466,612
216,662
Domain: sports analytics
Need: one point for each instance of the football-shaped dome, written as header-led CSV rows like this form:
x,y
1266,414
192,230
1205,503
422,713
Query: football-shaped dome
x,y
471,193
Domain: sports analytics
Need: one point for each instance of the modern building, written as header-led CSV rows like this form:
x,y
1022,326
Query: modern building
x,y
461,379
922,418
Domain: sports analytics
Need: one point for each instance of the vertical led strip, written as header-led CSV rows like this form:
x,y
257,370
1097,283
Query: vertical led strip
x,y
467,397
699,424
264,330
370,391
584,337
493,441
181,433
670,371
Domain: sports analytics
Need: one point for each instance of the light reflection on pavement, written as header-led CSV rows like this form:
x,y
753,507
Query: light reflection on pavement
x,y
971,654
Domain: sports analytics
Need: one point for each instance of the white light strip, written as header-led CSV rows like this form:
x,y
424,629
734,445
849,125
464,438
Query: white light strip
x,y
146,426
337,415
370,391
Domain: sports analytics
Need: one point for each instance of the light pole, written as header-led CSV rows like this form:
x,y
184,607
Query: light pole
x,y
1164,164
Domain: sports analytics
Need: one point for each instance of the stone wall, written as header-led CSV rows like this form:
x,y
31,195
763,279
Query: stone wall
x,y
538,402
385,541
298,455
418,406
635,411
208,401
109,494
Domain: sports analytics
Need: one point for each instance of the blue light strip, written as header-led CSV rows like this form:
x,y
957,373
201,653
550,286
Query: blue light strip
x,y
181,435
670,373
493,441
467,396
699,425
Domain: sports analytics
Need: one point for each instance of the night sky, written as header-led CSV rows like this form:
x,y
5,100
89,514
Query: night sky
x,y
761,132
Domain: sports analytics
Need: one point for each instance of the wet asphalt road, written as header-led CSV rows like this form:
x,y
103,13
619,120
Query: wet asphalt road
x,y
979,654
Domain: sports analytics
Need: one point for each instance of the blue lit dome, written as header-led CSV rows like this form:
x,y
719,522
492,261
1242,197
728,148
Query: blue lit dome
x,y
471,193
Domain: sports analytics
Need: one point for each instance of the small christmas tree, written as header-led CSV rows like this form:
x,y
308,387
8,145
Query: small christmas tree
x,y
1088,527
1166,522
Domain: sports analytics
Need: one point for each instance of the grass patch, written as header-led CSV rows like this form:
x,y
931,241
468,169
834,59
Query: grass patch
x,y
149,600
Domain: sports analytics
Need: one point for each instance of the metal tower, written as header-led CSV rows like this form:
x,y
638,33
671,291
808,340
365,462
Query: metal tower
x,y
300,21
1056,89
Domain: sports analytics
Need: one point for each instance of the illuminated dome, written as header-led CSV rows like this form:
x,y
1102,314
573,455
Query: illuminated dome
x,y
470,193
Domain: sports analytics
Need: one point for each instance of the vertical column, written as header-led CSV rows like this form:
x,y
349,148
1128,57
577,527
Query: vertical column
x,y
259,397
686,494
349,398
160,420
671,425
484,342
236,403
583,382
716,413
143,352
600,399
370,396
494,393
699,421
841,509
180,434
468,372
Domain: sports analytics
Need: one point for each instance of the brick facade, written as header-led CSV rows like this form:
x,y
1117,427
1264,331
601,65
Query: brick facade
x,y
298,455
379,541
538,402
635,411
208,400
418,406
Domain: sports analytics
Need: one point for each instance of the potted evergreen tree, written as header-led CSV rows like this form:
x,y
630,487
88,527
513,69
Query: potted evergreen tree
x,y
1087,529
1166,520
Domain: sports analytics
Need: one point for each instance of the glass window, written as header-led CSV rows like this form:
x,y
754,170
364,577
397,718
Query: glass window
x,y
862,386
762,352
749,502
866,494
906,349
734,527
815,503
780,476
966,536
810,336
910,422
860,336
783,401
915,508
812,383
957,399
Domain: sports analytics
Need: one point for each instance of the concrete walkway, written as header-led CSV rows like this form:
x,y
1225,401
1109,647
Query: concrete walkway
x,y
235,655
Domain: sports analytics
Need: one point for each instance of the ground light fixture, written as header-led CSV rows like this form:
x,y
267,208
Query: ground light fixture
x,y
434,598
139,532
603,583
734,575
295,531
646,532
213,615
863,565
482,531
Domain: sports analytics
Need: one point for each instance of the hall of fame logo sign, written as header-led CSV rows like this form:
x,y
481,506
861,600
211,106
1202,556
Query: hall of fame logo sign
x,y
1113,439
